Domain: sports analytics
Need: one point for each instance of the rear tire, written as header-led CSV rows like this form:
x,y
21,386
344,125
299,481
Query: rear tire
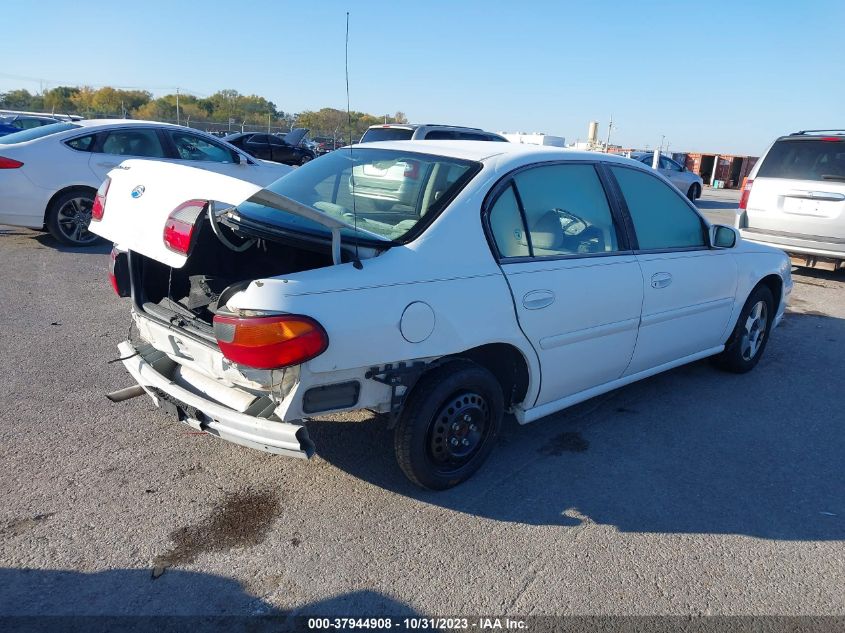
x,y
68,217
694,192
748,341
449,425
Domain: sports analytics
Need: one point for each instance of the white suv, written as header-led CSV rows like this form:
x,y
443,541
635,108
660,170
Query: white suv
x,y
794,198
427,132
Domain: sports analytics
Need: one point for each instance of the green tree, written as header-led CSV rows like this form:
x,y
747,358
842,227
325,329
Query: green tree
x,y
59,99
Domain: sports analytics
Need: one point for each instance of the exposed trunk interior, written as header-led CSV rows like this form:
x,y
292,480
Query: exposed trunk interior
x,y
193,292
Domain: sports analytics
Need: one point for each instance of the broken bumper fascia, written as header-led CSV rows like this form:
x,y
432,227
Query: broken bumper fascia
x,y
282,438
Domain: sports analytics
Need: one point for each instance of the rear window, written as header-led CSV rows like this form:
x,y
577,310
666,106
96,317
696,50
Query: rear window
x,y
385,193
36,132
805,159
386,134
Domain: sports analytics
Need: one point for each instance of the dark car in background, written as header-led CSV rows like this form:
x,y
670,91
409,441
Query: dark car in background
x,y
11,123
288,150
326,144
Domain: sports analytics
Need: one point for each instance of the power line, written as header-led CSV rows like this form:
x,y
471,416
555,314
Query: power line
x,y
42,80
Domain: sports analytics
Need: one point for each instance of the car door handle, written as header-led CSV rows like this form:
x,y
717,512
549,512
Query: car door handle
x,y
537,299
107,164
660,280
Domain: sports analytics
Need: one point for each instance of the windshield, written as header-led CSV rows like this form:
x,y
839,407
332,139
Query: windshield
x,y
36,132
815,159
386,134
385,193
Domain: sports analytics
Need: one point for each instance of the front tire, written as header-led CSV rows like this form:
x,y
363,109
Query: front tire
x,y
694,192
68,218
449,425
749,338
305,159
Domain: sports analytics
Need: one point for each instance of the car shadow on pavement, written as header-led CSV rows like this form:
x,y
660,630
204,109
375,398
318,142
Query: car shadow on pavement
x,y
101,247
716,204
179,598
693,450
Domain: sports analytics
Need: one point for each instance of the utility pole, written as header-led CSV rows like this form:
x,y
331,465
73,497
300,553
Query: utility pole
x,y
268,123
177,106
607,142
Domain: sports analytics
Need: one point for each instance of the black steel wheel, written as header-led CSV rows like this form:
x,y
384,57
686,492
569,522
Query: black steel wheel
x,y
449,425
694,192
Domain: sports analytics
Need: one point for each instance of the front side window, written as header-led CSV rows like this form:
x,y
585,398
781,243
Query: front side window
x,y
662,218
566,211
384,193
193,147
667,163
133,143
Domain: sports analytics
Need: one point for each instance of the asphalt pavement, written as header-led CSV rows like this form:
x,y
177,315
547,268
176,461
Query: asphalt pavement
x,y
693,492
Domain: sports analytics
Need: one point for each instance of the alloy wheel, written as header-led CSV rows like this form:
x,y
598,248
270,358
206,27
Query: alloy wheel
x,y
755,330
73,219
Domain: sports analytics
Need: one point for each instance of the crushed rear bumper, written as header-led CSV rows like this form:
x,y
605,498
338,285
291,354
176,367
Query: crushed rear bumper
x,y
152,370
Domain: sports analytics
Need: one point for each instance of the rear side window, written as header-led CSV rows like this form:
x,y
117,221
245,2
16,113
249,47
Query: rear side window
x,y
810,159
566,213
662,218
386,134
506,226
133,143
81,143
441,135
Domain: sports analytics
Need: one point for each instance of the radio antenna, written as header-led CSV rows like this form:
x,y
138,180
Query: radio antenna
x,y
357,263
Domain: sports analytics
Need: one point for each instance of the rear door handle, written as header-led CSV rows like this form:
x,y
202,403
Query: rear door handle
x,y
107,164
537,299
660,280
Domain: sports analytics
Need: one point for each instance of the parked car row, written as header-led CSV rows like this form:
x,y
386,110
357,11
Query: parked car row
x,y
49,175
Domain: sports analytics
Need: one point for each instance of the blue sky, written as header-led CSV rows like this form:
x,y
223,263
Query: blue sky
x,y
710,76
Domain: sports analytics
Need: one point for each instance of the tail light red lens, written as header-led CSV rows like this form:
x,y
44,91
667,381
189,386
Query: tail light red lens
x,y
9,163
99,206
119,272
270,342
412,169
179,227
746,191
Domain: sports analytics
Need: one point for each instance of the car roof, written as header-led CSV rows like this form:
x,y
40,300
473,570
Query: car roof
x,y
414,126
117,122
510,153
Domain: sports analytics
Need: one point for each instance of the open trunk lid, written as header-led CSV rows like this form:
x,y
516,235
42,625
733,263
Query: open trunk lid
x,y
143,194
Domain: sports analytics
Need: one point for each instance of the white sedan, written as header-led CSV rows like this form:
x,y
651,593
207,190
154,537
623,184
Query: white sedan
x,y
520,280
49,174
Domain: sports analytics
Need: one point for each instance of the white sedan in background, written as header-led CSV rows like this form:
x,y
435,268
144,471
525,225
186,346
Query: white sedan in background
x,y
50,174
521,279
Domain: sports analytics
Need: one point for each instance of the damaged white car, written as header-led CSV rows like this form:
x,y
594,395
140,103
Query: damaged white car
x,y
506,278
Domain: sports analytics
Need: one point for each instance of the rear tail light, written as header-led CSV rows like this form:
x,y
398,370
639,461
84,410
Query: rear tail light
x,y
180,224
99,206
119,272
9,163
270,342
746,191
412,169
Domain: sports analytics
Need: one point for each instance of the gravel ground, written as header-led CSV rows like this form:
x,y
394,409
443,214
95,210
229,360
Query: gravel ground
x,y
693,492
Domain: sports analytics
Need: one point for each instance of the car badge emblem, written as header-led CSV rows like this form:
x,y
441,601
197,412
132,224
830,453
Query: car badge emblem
x,y
138,191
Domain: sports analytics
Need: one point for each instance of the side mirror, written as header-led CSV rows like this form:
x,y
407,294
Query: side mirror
x,y
242,160
722,236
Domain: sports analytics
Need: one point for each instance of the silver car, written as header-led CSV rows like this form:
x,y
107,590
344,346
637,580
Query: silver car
x,y
794,198
687,182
